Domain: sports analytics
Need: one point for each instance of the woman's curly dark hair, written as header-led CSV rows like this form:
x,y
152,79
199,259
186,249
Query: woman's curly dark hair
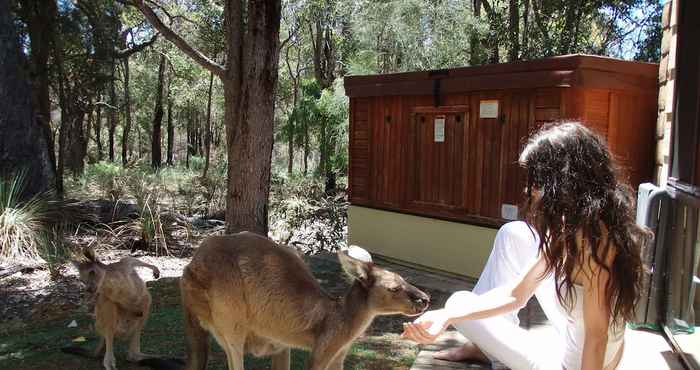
x,y
581,194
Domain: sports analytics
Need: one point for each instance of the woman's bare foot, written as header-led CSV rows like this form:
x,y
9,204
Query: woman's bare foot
x,y
469,351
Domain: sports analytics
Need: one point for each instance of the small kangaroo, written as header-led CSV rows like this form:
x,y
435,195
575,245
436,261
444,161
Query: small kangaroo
x,y
122,305
255,296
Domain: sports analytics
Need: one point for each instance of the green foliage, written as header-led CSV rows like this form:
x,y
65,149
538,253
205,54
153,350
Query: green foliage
x,y
649,45
109,179
301,214
333,107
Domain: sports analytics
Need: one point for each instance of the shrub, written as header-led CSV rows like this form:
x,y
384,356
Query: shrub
x,y
31,230
110,179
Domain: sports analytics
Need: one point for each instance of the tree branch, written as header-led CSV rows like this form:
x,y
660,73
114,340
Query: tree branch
x,y
125,53
176,39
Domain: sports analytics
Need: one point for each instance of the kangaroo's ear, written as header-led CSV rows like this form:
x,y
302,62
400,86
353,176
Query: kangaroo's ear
x,y
357,263
89,253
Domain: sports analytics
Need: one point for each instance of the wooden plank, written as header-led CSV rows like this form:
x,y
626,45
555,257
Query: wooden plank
x,y
596,103
547,98
547,114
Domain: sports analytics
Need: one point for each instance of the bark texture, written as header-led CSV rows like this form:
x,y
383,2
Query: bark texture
x,y
23,143
156,161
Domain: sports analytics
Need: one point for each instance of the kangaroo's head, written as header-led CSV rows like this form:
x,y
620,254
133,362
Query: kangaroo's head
x,y
91,271
387,292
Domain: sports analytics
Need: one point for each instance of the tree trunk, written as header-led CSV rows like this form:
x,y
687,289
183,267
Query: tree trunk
x,y
330,171
307,148
290,148
207,140
98,129
323,150
158,117
295,98
40,19
113,112
23,143
127,113
250,119
474,44
171,130
513,31
188,131
249,79
571,13
524,45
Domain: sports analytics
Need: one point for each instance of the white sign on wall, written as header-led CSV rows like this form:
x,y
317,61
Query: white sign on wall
x,y
509,211
488,109
439,134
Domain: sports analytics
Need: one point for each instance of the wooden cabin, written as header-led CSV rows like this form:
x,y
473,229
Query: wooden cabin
x,y
433,155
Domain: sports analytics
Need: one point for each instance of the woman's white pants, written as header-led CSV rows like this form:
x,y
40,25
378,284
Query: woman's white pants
x,y
501,338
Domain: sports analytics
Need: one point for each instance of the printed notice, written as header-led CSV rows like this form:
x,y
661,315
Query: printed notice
x,y
509,211
439,129
488,109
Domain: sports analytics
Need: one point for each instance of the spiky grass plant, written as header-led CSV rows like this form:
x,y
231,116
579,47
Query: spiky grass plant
x,y
23,224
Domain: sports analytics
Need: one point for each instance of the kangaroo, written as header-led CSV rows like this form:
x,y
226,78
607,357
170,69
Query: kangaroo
x,y
255,296
122,305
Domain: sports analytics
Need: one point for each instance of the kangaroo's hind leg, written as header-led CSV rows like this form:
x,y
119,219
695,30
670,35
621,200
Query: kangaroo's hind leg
x,y
135,329
281,360
232,340
107,320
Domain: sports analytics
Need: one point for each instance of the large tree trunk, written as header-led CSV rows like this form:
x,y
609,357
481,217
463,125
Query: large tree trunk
x,y
127,113
158,117
40,18
23,143
207,139
249,80
250,119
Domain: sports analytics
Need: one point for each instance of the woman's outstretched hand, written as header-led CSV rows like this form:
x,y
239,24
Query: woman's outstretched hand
x,y
426,328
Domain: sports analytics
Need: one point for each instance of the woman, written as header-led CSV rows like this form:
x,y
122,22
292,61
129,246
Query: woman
x,y
586,263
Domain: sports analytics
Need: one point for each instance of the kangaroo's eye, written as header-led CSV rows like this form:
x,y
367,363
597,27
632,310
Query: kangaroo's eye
x,y
395,289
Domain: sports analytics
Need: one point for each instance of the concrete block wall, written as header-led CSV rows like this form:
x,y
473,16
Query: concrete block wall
x,y
667,74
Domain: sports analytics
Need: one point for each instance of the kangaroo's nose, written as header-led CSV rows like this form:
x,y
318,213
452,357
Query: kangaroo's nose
x,y
421,301
421,298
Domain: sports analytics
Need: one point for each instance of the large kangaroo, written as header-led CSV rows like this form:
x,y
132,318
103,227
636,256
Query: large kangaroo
x,y
255,296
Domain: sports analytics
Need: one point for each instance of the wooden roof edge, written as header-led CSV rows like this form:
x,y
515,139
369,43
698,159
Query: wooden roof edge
x,y
563,62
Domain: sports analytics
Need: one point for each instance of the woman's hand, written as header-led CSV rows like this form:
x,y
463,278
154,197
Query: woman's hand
x,y
428,327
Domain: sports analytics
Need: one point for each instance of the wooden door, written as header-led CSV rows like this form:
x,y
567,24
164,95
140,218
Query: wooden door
x,y
437,168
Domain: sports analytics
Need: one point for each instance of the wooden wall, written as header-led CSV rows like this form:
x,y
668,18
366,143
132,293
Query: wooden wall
x,y
395,163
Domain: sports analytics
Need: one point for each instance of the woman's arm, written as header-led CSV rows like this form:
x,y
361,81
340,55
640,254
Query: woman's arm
x,y
495,302
596,317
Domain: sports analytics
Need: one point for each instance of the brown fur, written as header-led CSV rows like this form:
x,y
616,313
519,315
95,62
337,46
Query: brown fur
x,y
122,303
258,297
